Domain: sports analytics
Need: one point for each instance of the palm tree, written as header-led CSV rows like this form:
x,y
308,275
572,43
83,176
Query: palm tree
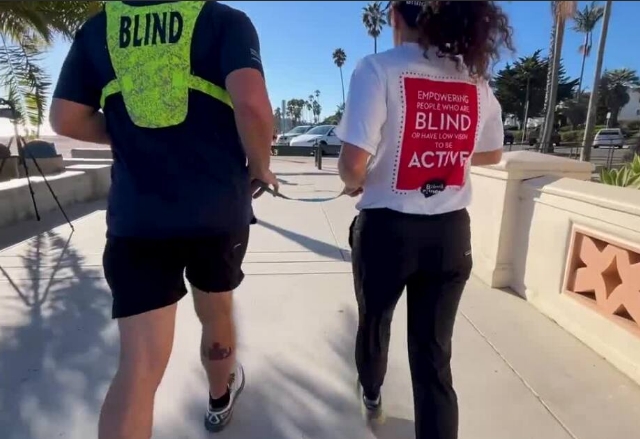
x,y
27,29
561,10
339,58
309,106
614,86
585,22
374,20
585,153
277,118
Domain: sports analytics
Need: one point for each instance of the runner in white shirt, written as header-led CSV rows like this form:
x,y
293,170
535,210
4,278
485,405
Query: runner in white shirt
x,y
417,117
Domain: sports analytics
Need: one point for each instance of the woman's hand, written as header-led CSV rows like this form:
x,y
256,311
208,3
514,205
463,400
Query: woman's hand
x,y
351,192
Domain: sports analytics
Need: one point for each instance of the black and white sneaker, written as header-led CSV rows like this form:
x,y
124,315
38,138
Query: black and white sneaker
x,y
371,409
217,419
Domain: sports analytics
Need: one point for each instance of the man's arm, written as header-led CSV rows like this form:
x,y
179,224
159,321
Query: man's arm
x,y
78,121
361,126
75,106
242,68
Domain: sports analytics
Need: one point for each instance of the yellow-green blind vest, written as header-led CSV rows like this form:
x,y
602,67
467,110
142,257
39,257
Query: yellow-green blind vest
x,y
150,50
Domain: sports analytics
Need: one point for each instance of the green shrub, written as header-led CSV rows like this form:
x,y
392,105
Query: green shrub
x,y
627,176
572,136
634,126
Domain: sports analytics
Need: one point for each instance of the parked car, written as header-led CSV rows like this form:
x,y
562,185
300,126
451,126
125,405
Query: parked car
x,y
284,139
508,138
323,135
609,137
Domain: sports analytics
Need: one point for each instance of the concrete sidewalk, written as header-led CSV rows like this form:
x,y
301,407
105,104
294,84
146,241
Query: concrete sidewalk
x,y
518,375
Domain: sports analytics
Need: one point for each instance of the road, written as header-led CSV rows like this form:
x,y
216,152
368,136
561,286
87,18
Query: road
x,y
600,156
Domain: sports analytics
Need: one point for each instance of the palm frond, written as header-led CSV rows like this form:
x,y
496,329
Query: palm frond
x,y
587,19
339,57
374,18
44,19
25,80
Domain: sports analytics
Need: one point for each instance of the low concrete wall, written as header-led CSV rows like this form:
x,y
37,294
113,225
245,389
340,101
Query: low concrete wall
x,y
79,183
75,161
569,246
8,168
91,153
48,166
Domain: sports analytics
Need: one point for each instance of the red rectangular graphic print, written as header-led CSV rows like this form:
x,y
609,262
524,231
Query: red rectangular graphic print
x,y
441,120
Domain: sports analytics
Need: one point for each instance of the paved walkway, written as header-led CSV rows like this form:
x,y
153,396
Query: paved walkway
x,y
518,374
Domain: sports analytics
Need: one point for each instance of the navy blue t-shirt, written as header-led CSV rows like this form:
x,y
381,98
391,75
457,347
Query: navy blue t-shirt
x,y
187,180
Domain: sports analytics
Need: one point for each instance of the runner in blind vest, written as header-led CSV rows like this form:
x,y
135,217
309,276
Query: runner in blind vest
x,y
417,117
177,90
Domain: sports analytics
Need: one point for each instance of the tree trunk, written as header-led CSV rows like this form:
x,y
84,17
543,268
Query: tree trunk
x,y
547,94
526,111
585,154
551,111
342,82
584,60
613,120
375,44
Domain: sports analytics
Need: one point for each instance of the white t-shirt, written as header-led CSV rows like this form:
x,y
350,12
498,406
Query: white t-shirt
x,y
421,120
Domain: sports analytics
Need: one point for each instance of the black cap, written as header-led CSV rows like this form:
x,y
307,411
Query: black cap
x,y
410,10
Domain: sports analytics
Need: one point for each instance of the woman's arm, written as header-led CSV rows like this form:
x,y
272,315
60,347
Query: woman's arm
x,y
488,151
352,165
486,158
361,126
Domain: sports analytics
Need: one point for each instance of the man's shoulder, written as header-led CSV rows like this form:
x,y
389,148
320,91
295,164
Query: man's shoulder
x,y
222,12
93,27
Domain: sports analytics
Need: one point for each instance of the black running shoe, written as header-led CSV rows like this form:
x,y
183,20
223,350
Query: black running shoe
x,y
217,419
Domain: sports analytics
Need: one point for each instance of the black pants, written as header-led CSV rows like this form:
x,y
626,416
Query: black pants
x,y
431,257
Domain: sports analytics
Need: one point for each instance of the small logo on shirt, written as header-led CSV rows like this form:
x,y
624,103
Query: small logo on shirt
x,y
255,56
433,187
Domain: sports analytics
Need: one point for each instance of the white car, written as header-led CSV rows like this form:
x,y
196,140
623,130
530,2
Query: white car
x,y
284,139
323,135
609,137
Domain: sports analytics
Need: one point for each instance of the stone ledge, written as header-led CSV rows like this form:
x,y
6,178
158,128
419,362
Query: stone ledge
x,y
615,198
91,153
48,166
522,165
79,183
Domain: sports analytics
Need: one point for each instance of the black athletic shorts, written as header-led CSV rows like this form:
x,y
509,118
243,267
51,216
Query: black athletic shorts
x,y
148,274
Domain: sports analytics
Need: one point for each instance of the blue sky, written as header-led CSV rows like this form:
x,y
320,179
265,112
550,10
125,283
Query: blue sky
x,y
298,39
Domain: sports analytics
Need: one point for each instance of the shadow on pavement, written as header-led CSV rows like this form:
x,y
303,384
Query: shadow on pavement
x,y
311,244
54,357
24,230
296,399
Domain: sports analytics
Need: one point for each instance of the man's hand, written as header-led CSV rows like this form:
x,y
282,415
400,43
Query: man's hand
x,y
261,180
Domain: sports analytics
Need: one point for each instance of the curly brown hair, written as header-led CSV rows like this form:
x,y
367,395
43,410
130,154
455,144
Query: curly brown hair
x,y
475,31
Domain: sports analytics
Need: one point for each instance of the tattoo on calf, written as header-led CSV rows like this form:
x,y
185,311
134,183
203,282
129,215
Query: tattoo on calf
x,y
216,352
